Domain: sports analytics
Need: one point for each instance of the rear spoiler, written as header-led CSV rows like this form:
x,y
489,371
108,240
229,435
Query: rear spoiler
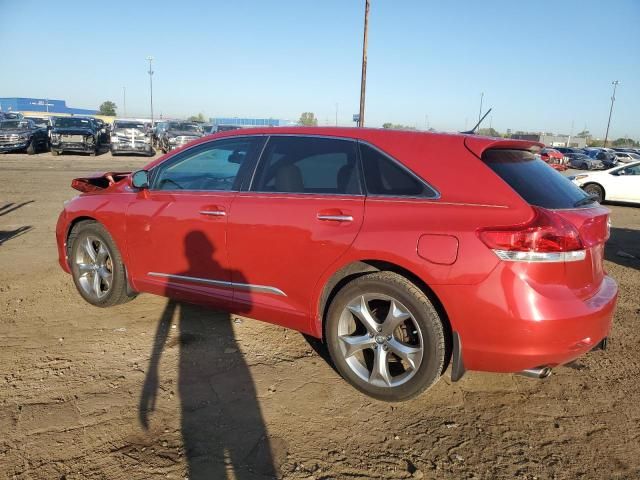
x,y
477,145
98,181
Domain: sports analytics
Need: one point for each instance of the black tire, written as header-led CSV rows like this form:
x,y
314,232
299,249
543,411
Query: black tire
x,y
118,291
584,166
422,314
32,149
596,190
54,152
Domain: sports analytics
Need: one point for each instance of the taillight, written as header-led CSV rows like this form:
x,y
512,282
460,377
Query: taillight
x,y
546,238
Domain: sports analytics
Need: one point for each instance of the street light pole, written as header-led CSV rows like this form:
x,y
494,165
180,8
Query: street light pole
x,y
124,100
613,99
363,78
150,72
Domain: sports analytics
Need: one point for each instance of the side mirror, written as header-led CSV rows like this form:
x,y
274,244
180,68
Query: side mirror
x,y
140,179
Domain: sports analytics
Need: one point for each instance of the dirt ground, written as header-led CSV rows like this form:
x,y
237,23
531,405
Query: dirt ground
x,y
153,389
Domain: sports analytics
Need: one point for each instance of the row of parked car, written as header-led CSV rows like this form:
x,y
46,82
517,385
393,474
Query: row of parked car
x,y
92,135
589,158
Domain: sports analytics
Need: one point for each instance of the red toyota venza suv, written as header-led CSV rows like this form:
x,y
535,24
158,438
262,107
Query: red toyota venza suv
x,y
402,251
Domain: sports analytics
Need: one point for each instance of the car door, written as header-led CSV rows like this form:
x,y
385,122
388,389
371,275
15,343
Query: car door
x,y
302,211
628,182
177,228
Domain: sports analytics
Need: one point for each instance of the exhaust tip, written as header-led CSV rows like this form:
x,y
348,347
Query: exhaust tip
x,y
541,372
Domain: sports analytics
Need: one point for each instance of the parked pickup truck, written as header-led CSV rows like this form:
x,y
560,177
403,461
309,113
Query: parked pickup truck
x,y
74,134
129,136
22,134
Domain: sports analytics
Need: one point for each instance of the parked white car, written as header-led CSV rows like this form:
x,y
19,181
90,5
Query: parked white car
x,y
621,183
627,157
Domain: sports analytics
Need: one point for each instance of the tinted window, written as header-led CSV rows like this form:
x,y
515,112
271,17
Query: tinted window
x,y
308,165
213,166
383,176
533,179
632,170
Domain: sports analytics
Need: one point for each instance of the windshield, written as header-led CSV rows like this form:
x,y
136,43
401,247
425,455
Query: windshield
x,y
185,127
138,125
13,124
68,122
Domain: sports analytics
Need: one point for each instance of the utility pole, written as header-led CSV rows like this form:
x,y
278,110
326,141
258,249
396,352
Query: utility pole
x,y
363,78
150,72
124,101
336,114
613,99
480,112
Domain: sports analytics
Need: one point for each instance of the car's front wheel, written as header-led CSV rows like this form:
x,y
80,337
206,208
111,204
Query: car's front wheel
x,y
385,337
32,149
96,265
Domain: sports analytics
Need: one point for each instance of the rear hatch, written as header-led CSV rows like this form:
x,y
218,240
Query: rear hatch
x,y
566,235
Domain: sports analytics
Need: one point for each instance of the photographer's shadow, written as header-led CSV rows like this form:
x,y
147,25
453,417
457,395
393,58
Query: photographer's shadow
x,y
221,422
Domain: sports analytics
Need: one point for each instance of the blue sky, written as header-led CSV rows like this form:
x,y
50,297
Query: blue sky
x,y
541,65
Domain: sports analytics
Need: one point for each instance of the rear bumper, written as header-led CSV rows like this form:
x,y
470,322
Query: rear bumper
x,y
510,331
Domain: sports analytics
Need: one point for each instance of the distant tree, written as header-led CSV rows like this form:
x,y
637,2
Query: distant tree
x,y
595,143
489,132
625,142
308,119
108,108
397,126
197,118
583,134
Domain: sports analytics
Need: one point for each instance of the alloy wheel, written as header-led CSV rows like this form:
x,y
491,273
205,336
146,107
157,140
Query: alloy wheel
x,y
380,340
94,266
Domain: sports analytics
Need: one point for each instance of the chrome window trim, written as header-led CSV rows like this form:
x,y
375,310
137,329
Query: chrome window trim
x,y
221,283
436,192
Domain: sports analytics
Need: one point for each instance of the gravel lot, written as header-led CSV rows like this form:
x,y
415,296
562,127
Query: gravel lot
x,y
153,389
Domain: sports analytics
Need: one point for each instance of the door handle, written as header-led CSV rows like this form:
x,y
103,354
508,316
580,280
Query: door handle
x,y
213,213
335,218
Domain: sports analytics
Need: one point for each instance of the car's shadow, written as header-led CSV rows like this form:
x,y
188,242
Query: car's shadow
x,y
623,247
223,432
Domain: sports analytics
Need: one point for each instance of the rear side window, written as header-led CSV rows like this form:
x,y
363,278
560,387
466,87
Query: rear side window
x,y
534,180
308,165
384,176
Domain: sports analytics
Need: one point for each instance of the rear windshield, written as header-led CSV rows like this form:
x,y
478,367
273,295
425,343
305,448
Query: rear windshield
x,y
534,180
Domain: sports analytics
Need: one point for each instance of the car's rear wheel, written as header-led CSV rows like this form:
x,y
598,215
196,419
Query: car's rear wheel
x,y
584,166
96,265
596,190
385,337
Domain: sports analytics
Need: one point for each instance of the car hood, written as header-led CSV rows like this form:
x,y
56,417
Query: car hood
x,y
73,131
179,133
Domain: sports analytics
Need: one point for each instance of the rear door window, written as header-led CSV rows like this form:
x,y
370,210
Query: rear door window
x,y
534,180
308,165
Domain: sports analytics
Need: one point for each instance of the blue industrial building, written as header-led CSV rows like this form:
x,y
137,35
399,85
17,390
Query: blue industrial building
x,y
41,105
251,122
